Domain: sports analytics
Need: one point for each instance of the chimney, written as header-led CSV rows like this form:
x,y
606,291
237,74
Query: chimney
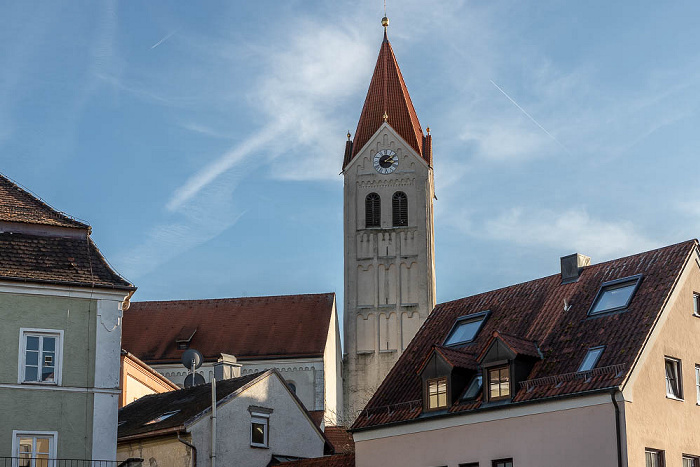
x,y
227,367
571,267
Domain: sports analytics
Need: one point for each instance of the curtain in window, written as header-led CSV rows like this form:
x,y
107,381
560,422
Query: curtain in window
x,y
372,210
399,204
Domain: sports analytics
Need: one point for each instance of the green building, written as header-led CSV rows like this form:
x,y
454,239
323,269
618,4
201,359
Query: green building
x,y
60,338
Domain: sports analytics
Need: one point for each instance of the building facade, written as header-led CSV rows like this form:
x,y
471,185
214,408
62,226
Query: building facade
x,y
138,379
61,306
598,365
388,232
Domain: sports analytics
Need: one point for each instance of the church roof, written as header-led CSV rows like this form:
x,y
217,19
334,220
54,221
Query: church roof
x,y
535,312
388,95
250,328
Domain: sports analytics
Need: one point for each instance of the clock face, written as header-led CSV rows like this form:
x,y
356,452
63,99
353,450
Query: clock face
x,y
386,161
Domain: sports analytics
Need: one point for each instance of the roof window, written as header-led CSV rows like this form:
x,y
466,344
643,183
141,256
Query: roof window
x,y
474,388
161,417
615,295
591,359
466,328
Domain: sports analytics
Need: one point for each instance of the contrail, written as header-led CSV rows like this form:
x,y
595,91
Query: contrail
x,y
530,117
162,40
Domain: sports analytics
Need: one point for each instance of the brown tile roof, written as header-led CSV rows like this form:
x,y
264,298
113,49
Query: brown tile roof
x,y
249,327
187,402
338,460
18,205
340,438
317,417
58,260
455,357
534,311
388,94
517,345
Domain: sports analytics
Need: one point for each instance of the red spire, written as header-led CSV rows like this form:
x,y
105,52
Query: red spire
x,y
388,97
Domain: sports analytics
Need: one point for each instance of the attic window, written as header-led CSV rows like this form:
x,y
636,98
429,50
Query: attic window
x,y
466,328
591,359
615,295
437,393
474,388
161,417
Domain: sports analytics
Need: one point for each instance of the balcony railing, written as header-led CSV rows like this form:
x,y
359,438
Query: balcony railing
x,y
44,462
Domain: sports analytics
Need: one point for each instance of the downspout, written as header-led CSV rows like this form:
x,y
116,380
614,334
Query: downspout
x,y
617,427
191,446
213,422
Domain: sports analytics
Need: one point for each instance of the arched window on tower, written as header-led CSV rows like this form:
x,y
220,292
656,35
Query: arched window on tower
x,y
372,210
399,205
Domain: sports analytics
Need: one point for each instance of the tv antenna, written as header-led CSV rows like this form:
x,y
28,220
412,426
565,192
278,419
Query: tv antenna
x,y
192,359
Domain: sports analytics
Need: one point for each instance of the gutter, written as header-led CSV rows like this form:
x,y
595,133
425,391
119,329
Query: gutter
x,y
617,427
192,446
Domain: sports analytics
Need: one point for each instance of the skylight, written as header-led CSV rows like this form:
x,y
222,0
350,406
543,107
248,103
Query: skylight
x,y
591,359
474,388
162,417
615,295
466,329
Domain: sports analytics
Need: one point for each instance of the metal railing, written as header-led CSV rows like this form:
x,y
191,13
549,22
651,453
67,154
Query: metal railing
x,y
44,462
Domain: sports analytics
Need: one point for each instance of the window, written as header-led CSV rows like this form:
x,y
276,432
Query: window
x,y
474,388
161,417
674,388
697,383
399,209
292,386
654,457
40,356
499,383
437,393
696,304
591,359
34,449
466,329
690,461
259,426
469,464
373,210
502,463
615,295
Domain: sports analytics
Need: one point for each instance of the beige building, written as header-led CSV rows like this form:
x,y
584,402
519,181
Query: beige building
x,y
389,252
137,379
598,365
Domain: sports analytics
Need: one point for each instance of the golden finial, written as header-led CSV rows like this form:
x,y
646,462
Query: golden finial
x,y
385,117
348,135
385,22
428,130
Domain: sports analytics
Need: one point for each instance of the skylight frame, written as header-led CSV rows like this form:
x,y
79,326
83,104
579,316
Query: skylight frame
x,y
612,285
600,349
482,316
162,417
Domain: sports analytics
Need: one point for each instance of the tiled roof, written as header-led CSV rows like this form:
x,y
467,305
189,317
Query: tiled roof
x,y
59,260
457,358
340,438
517,345
338,460
317,417
388,94
18,205
249,327
187,402
534,312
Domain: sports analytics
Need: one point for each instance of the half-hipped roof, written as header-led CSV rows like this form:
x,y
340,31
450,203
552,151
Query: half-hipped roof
x,y
286,326
546,319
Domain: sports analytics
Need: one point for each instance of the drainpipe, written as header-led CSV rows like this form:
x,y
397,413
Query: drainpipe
x,y
213,422
617,427
191,446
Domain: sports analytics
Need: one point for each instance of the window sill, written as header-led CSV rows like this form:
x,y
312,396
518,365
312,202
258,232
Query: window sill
x,y
38,383
674,398
388,351
365,352
259,446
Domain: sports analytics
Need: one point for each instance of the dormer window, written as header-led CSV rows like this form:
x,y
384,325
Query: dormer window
x,y
466,328
499,383
591,359
437,393
615,295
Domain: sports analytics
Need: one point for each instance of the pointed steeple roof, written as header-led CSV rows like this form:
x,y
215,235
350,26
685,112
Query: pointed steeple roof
x,y
388,100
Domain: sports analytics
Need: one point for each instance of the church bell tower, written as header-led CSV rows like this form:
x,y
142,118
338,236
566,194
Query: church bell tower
x,y
389,246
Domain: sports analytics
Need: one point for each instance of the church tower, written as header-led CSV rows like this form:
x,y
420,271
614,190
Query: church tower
x,y
389,247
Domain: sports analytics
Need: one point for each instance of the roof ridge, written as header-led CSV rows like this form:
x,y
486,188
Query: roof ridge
x,y
228,299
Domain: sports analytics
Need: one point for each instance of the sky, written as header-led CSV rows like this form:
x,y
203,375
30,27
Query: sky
x,y
203,140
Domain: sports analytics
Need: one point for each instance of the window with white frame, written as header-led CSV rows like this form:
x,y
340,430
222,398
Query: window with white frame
x,y
697,382
690,461
696,304
674,388
591,359
34,449
259,426
654,457
40,356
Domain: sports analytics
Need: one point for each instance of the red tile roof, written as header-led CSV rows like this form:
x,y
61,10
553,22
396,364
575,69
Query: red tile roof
x,y
18,205
534,312
338,460
387,94
340,438
517,345
248,327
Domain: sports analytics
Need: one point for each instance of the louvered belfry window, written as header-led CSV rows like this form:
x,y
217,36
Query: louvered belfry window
x,y
372,210
399,204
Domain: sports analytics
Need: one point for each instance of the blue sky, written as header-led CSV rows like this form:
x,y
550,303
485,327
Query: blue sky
x,y
202,141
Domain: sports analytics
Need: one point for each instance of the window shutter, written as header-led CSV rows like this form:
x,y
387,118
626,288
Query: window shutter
x,y
372,210
399,209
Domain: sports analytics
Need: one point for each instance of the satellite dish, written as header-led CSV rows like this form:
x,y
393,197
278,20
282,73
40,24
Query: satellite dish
x,y
198,379
190,356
